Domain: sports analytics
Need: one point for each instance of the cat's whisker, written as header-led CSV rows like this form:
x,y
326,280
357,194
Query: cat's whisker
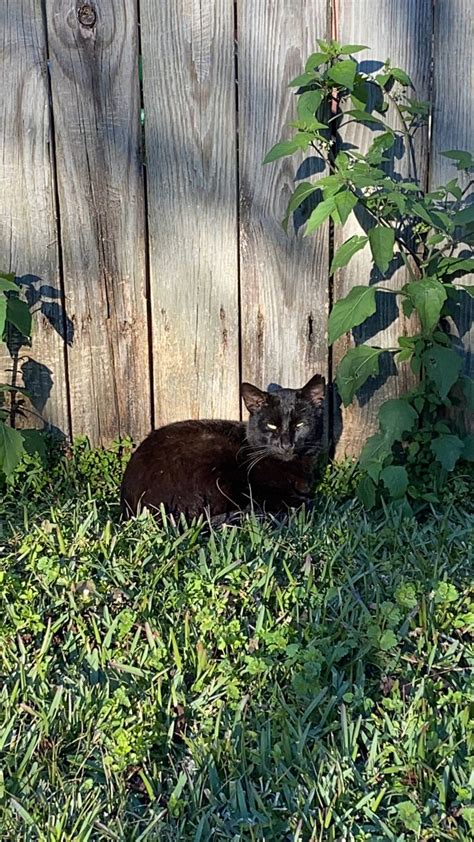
x,y
255,462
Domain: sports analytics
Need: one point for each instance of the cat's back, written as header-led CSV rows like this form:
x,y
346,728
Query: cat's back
x,y
181,466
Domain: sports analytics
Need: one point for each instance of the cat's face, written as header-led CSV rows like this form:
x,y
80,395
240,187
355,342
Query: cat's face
x,y
285,422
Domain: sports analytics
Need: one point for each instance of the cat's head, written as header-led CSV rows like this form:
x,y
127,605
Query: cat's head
x,y
285,421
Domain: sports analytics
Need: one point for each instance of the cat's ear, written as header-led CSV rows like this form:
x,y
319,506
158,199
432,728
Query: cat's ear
x,y
253,398
314,390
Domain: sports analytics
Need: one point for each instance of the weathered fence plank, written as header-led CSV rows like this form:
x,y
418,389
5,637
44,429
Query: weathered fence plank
x,y
453,106
96,103
189,98
284,278
28,236
402,32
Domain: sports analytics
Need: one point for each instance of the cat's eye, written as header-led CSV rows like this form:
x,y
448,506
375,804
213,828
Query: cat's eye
x,y
300,424
271,426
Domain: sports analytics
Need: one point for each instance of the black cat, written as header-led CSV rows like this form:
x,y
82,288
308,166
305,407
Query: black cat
x,y
226,466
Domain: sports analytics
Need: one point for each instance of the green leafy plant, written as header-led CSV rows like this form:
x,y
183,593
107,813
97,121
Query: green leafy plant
x,y
14,311
431,233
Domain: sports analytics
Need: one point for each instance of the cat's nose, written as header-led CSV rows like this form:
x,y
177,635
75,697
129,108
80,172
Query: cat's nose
x,y
285,444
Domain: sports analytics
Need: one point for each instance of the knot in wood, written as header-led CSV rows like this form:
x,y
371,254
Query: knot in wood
x,y
87,15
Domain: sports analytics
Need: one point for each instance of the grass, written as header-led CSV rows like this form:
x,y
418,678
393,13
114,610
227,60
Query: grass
x,y
300,681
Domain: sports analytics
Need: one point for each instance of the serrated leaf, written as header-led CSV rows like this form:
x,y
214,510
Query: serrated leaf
x,y
315,60
428,296
387,640
382,241
356,366
287,147
308,104
11,448
395,480
345,203
351,311
348,49
348,249
18,313
366,492
447,450
396,417
409,815
7,284
320,214
442,367
344,73
374,453
301,193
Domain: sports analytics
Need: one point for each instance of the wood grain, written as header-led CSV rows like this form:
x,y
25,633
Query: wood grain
x,y
96,102
453,106
402,31
28,236
284,278
190,128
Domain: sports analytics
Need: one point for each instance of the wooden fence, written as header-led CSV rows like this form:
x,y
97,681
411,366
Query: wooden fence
x,y
153,255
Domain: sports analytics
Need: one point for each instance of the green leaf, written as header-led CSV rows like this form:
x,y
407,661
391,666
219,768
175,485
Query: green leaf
x,y
468,451
395,480
3,314
315,60
366,492
409,816
7,284
320,213
396,417
345,203
302,80
442,367
464,159
428,297
348,49
347,251
351,311
11,448
365,117
308,104
452,265
401,77
287,147
447,450
344,73
356,366
374,453
467,385
464,216
387,640
382,241
301,193
18,313
444,593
